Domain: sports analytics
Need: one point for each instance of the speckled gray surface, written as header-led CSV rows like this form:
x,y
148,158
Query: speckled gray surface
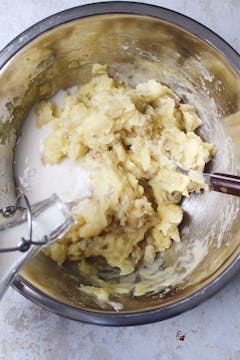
x,y
212,330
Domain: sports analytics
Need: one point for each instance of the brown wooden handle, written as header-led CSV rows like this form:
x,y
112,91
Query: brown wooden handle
x,y
228,184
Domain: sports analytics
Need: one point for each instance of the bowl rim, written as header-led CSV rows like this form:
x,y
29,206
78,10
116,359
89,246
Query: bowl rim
x,y
130,319
202,32
121,7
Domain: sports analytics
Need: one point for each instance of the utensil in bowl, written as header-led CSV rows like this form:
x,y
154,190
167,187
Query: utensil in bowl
x,y
224,183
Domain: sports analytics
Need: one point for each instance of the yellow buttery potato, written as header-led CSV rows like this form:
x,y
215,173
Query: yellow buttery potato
x,y
122,137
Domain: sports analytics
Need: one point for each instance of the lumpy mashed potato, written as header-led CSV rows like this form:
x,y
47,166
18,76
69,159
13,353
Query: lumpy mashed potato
x,y
125,138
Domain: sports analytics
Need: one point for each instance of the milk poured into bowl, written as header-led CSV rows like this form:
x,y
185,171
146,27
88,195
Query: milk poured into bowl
x,y
39,181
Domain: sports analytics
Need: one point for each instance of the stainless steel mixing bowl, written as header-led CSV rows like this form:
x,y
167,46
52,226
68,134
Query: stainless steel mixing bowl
x,y
56,53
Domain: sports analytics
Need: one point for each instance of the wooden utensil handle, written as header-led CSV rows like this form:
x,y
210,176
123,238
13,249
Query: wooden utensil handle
x,y
228,184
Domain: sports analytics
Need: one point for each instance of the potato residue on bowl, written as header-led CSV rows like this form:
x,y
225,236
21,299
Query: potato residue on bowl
x,y
123,136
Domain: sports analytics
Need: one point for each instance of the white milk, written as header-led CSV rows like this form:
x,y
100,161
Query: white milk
x,y
39,181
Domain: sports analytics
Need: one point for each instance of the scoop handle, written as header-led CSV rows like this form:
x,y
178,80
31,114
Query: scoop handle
x,y
225,183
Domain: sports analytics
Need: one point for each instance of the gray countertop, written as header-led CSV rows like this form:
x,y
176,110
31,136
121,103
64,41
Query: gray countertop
x,y
212,330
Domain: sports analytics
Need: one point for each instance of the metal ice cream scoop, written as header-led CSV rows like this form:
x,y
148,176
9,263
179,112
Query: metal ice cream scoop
x,y
25,230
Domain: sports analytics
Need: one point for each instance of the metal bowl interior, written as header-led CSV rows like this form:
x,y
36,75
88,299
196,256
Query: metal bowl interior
x,y
58,53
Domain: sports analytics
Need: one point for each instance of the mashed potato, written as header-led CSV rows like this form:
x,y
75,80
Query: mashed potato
x,y
123,136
